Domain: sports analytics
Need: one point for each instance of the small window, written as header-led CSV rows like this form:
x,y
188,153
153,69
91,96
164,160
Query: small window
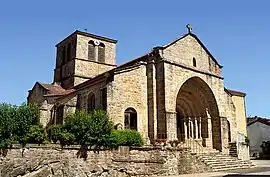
x,y
78,104
194,62
91,102
101,53
91,51
130,119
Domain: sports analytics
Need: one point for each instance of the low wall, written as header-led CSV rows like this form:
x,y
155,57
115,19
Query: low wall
x,y
243,151
51,160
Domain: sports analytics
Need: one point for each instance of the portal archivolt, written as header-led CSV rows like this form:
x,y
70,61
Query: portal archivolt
x,y
197,113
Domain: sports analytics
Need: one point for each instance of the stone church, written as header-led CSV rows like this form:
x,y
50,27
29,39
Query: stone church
x,y
175,91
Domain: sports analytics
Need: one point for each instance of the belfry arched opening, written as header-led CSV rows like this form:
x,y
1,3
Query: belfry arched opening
x,y
197,114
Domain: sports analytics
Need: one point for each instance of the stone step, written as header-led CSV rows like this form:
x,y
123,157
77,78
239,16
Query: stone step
x,y
232,162
221,159
227,164
229,168
224,162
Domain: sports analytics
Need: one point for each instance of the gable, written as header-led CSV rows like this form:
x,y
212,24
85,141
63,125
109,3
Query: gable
x,y
189,48
36,94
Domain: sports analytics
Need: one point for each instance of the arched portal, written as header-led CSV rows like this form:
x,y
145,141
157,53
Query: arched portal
x,y
197,113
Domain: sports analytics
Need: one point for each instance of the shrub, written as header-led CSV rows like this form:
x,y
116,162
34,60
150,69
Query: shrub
x,y
126,138
89,129
54,132
66,139
37,134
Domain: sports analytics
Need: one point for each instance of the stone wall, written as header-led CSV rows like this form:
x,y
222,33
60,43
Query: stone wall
x,y
184,50
82,49
239,103
129,90
90,69
50,160
243,151
231,116
94,88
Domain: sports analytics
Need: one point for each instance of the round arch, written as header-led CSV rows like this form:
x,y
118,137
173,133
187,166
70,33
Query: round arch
x,y
203,120
131,119
91,102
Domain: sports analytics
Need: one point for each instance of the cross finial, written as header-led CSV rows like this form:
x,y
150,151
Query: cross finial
x,y
189,27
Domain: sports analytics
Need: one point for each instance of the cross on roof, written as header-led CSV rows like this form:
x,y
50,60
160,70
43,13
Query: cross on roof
x,y
189,27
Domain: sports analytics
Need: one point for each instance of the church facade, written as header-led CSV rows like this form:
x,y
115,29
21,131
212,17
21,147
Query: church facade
x,y
175,91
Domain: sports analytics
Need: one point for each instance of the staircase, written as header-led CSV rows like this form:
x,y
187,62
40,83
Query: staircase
x,y
233,149
223,162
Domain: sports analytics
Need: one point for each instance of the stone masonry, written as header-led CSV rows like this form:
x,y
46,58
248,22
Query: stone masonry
x,y
175,91
51,160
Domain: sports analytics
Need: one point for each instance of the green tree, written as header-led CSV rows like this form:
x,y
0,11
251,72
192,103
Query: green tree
x,y
7,114
89,129
26,116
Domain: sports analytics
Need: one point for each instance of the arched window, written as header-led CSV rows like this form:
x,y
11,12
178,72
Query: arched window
x,y
78,103
229,132
130,119
91,102
91,51
69,52
194,62
64,59
101,53
59,114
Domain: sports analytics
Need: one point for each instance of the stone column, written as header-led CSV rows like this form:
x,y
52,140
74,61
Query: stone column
x,y
196,128
191,127
186,129
199,128
224,135
171,125
96,53
209,141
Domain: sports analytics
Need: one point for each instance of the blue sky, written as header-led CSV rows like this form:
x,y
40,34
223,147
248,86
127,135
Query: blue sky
x,y
236,32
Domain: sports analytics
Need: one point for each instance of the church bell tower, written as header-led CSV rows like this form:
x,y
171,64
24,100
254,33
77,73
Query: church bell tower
x,y
82,56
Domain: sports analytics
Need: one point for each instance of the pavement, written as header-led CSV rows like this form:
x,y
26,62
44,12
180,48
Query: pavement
x,y
262,168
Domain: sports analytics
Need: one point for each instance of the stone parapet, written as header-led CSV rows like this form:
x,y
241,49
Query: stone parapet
x,y
51,160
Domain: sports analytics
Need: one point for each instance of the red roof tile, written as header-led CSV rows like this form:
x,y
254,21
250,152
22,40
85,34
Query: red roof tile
x,y
252,120
55,90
